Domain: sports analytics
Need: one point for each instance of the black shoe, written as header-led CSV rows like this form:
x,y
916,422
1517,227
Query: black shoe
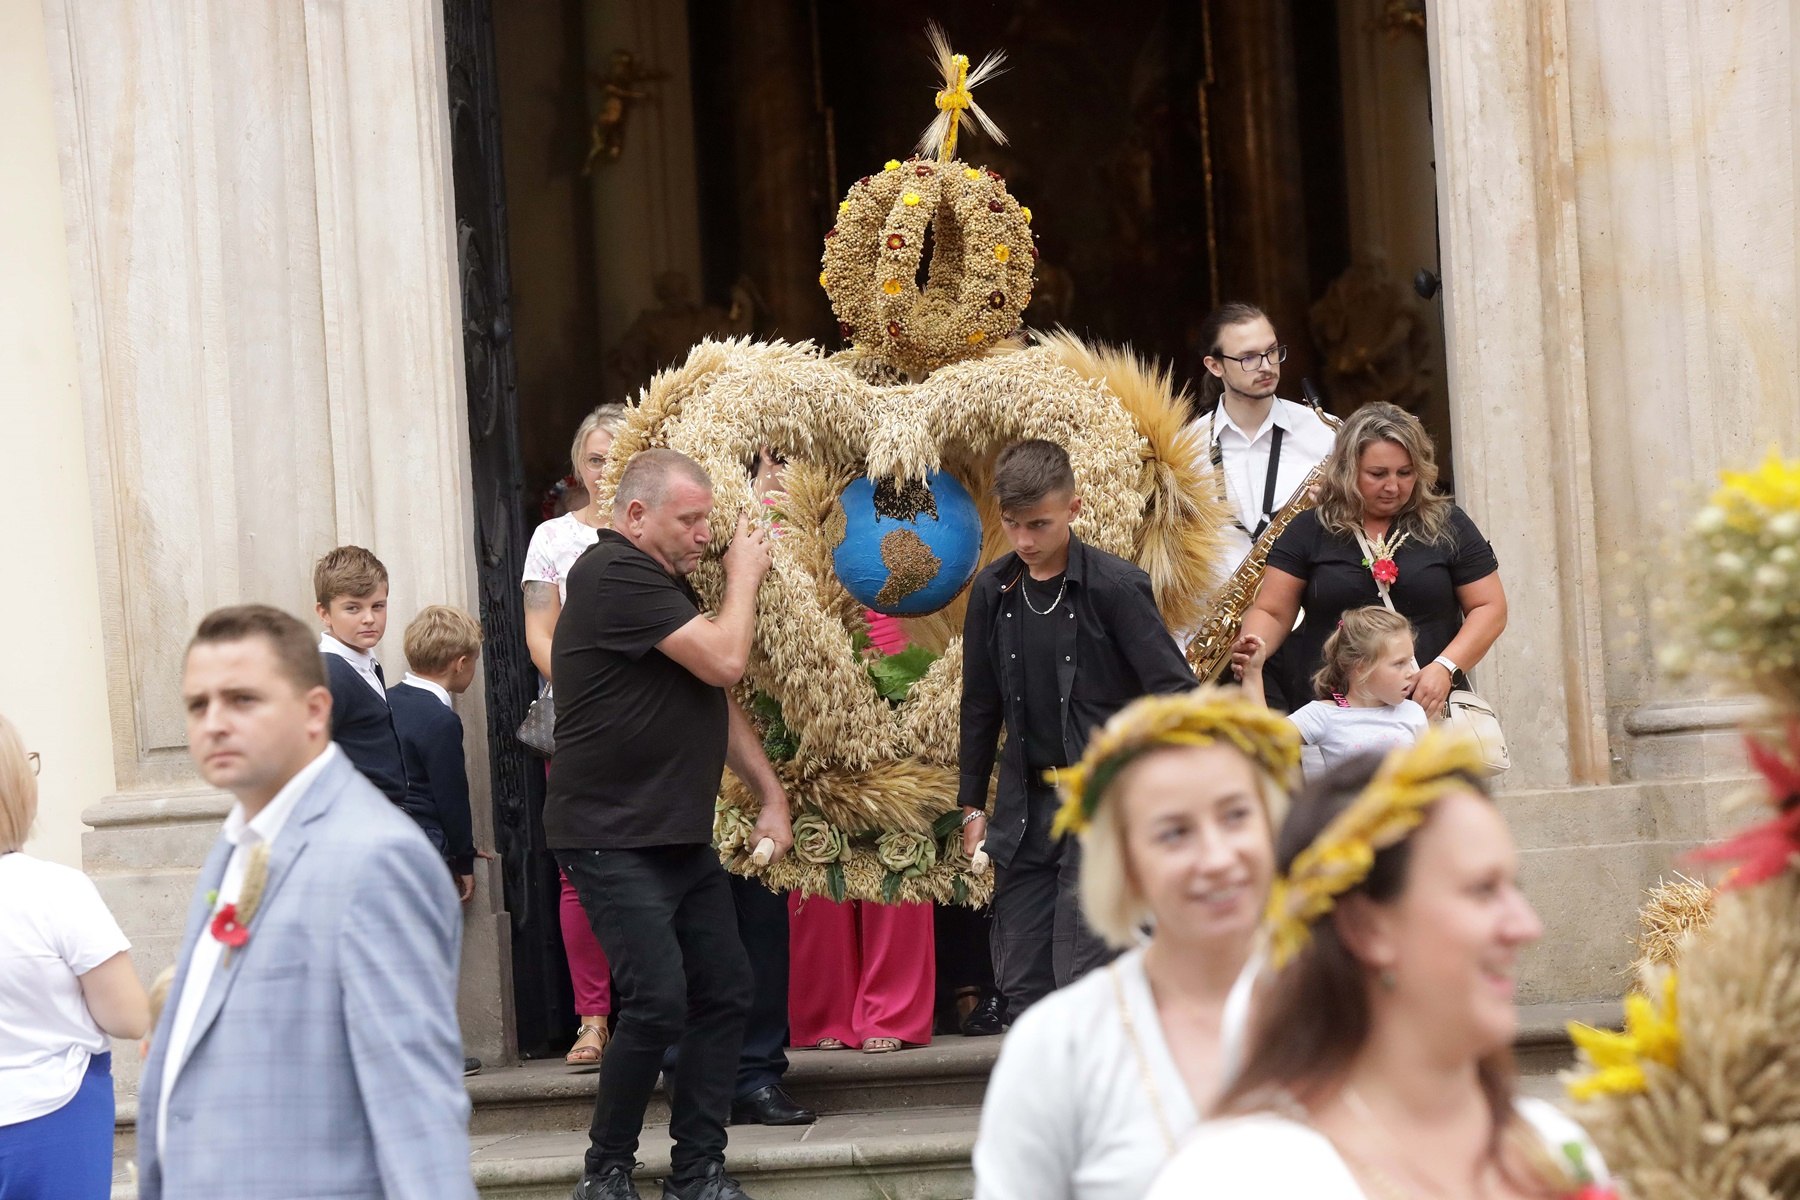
x,y
769,1106
611,1183
712,1183
988,1019
471,1066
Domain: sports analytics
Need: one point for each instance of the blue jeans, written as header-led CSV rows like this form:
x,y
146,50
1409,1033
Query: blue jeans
x,y
66,1154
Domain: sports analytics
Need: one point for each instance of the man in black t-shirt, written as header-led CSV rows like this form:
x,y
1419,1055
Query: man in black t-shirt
x,y
1059,636
644,729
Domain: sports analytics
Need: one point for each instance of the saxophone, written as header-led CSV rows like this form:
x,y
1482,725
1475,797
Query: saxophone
x,y
1210,651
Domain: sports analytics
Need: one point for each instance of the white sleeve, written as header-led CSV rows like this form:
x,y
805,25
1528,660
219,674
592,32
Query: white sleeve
x,y
1416,718
538,567
1310,722
1027,1146
85,933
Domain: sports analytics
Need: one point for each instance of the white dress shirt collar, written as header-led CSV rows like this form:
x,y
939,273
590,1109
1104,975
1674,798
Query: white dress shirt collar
x,y
363,660
1278,416
266,825
435,688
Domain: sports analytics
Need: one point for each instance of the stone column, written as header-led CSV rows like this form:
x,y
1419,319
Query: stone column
x,y
263,267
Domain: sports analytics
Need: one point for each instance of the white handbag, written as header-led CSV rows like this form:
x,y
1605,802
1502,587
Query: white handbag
x,y
1464,712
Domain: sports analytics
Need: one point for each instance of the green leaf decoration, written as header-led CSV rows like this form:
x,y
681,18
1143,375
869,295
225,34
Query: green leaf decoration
x,y
779,742
834,882
947,824
1577,1156
890,888
894,674
959,890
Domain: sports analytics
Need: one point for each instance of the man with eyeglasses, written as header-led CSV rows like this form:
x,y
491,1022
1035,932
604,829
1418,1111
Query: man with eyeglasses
x,y
1262,446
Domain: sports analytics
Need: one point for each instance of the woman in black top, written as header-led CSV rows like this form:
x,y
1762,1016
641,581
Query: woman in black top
x,y
1381,480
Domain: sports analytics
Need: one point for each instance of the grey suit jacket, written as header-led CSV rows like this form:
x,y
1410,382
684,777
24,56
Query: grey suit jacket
x,y
326,1060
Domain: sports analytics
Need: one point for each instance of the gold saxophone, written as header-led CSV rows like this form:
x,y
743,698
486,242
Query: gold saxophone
x,y
1210,651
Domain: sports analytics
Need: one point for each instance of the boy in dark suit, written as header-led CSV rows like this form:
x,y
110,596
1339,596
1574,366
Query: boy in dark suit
x,y
351,587
443,644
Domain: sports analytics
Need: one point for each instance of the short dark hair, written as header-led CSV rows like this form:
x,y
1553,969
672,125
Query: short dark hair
x,y
347,571
646,477
296,647
1028,471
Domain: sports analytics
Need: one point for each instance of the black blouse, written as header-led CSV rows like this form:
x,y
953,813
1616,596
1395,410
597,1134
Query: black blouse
x,y
1336,580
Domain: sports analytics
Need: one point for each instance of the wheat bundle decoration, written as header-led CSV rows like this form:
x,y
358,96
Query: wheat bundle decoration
x,y
935,382
1698,1098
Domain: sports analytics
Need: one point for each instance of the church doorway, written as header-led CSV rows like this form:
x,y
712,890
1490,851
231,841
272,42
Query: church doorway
x,y
633,175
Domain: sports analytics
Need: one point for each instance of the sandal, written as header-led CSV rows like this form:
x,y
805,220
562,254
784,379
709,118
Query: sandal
x,y
588,1055
828,1043
881,1045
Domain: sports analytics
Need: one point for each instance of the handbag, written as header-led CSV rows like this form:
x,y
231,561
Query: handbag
x,y
1465,713
538,729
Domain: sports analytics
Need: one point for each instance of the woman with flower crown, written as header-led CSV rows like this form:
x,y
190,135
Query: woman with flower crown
x,y
1175,801
1381,534
1378,1065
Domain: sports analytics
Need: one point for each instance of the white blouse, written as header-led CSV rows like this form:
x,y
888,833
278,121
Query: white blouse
x,y
1078,1108
1254,1157
555,545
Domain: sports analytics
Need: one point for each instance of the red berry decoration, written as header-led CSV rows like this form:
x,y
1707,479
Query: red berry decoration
x,y
832,232
996,175
896,241
844,330
1033,253
922,170
893,329
996,206
863,182
996,299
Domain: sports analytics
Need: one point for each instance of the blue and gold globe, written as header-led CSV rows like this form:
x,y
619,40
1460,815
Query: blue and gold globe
x,y
908,547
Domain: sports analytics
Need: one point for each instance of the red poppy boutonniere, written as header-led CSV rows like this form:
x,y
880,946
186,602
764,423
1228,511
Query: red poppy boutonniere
x,y
231,922
1380,559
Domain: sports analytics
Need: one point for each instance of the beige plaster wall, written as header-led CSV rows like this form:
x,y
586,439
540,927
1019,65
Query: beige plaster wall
x,y
52,675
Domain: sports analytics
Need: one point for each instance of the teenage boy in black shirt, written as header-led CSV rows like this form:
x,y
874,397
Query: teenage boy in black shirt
x,y
1059,636
644,728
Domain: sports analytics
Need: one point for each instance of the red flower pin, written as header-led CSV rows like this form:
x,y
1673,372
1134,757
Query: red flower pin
x,y
1385,571
225,927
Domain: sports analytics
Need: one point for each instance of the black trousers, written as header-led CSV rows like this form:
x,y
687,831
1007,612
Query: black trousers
x,y
762,924
1040,941
665,918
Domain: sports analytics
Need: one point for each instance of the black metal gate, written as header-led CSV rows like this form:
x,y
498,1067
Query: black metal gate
x,y
540,974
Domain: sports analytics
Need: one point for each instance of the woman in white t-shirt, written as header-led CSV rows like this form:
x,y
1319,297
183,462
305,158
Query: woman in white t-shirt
x,y
1379,1058
555,545
1176,800
1363,705
66,985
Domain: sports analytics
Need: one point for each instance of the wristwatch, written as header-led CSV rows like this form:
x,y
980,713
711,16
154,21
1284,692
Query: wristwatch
x,y
971,815
1445,663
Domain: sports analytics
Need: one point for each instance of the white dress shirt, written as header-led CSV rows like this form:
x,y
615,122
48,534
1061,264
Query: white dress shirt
x,y
362,660
244,836
1244,458
436,689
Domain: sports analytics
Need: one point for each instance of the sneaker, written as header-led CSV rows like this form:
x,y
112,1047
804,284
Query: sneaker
x,y
712,1183
471,1066
610,1183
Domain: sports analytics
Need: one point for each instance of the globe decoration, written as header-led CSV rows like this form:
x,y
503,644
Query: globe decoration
x,y
908,547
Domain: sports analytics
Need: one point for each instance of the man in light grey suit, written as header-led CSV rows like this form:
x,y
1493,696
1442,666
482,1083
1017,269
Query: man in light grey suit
x,y
309,1046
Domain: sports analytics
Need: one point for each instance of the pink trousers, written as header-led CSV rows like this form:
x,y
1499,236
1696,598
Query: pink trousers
x,y
860,970
588,969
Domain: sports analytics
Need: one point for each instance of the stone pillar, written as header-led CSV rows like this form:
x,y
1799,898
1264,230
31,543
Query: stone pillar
x,y
263,266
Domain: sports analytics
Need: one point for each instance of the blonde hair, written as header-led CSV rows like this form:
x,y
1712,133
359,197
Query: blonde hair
x,y
18,789
1426,516
439,636
1110,900
610,417
159,993
347,571
1355,645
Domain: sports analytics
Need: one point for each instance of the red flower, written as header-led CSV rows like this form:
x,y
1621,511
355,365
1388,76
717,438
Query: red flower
x,y
225,927
1594,1191
1764,851
1385,570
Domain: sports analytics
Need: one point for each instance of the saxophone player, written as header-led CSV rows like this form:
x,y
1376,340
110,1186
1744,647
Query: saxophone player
x,y
1261,446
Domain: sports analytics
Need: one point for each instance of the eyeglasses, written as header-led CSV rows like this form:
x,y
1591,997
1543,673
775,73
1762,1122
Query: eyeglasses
x,y
1276,355
36,762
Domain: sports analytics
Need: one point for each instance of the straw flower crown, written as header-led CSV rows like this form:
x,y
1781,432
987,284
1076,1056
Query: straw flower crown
x,y
867,751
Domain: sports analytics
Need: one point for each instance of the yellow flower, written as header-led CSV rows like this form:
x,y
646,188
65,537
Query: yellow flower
x,y
892,287
976,338
910,199
892,164
1651,1036
1002,252
1773,486
822,282
1026,212
971,172
843,206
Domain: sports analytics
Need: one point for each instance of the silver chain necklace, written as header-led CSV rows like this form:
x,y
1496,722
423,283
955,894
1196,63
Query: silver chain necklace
x,y
1025,591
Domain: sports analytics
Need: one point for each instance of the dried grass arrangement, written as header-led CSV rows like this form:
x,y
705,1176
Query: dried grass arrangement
x,y
1673,910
